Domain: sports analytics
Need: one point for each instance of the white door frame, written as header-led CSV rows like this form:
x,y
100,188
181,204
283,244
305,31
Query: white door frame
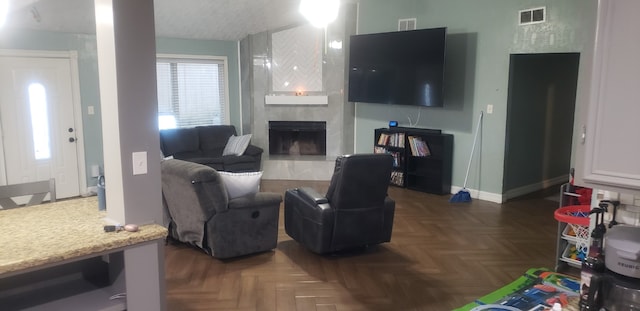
x,y
72,56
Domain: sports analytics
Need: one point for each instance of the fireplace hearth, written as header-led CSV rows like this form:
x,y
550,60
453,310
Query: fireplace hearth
x,y
297,138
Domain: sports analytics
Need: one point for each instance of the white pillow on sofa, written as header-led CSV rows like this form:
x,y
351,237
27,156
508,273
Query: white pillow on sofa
x,y
241,184
236,145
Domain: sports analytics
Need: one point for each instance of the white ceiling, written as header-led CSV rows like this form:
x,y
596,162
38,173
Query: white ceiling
x,y
195,19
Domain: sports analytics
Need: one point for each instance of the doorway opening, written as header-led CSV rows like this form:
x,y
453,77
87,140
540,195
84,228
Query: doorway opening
x,y
540,111
38,107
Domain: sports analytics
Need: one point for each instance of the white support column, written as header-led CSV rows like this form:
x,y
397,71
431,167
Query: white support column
x,y
127,68
145,292
125,33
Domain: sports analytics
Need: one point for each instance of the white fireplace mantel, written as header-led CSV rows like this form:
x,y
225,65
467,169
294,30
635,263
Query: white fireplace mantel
x,y
303,100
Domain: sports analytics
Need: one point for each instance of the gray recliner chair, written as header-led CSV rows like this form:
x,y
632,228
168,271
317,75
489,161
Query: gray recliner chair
x,y
356,210
201,213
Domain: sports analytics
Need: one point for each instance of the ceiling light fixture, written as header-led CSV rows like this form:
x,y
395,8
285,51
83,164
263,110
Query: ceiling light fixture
x,y
320,12
4,11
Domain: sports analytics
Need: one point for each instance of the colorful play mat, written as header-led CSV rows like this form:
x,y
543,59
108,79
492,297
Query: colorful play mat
x,y
536,290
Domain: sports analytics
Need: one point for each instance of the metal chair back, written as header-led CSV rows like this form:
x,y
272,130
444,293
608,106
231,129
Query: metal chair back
x,y
38,190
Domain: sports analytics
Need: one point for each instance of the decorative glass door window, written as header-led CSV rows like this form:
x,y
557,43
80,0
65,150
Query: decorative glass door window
x,y
39,121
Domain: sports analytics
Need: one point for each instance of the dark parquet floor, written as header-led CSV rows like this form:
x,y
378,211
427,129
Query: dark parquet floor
x,y
441,256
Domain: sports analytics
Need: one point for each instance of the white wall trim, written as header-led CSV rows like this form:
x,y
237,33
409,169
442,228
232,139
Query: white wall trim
x,y
72,56
501,198
355,126
535,187
241,130
79,126
357,17
39,53
319,100
481,195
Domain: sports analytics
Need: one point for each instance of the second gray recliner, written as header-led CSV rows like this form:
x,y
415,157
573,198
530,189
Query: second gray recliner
x,y
202,214
356,210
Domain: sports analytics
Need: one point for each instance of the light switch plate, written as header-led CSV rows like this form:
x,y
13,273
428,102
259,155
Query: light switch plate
x,y
139,162
489,109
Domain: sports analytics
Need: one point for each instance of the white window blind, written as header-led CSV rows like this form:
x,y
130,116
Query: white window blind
x,y
191,92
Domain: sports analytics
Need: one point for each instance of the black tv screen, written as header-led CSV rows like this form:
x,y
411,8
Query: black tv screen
x,y
398,68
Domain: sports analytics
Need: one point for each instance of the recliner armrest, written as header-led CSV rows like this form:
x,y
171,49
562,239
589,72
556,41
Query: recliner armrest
x,y
260,199
312,195
253,150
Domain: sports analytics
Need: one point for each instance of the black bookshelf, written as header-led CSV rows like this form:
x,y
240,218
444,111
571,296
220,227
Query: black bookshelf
x,y
422,157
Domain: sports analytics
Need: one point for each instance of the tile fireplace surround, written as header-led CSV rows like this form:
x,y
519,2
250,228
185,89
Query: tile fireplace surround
x,y
297,165
300,166
338,114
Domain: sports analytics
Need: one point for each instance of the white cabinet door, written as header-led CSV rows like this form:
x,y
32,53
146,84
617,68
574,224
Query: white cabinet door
x,y
612,144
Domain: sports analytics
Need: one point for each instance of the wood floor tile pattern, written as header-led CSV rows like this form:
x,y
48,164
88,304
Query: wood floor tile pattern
x,y
441,256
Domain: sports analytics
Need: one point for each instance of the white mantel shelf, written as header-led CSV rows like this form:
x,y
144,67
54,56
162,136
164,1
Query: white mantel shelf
x,y
319,100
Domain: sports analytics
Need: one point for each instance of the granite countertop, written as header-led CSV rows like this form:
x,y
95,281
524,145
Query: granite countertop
x,y
52,233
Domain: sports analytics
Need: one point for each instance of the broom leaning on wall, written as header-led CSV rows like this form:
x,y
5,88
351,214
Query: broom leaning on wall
x,y
463,195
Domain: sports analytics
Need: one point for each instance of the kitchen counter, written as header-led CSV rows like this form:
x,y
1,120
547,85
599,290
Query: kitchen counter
x,y
57,256
51,233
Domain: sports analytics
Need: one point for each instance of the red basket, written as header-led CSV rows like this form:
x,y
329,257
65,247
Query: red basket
x,y
567,214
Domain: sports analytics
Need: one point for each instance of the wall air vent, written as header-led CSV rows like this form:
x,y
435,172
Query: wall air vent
x,y
406,24
532,16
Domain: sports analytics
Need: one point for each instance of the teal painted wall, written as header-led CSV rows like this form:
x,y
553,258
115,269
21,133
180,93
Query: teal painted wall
x,y
481,36
85,45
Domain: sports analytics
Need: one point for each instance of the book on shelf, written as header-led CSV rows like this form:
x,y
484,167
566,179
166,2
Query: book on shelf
x,y
397,178
412,145
392,140
419,147
397,156
423,148
383,140
397,159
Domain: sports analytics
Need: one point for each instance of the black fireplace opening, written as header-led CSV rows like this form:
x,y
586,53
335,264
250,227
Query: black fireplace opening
x,y
297,138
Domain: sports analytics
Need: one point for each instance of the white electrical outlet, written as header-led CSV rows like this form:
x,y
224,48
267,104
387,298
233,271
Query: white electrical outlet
x,y
489,109
626,199
139,162
90,110
95,171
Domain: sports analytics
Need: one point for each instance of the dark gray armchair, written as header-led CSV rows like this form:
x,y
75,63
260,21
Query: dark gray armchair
x,y
201,213
356,210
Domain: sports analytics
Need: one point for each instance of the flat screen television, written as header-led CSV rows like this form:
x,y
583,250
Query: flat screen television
x,y
398,68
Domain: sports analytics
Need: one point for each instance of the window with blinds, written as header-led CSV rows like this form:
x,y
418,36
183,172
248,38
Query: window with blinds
x,y
191,92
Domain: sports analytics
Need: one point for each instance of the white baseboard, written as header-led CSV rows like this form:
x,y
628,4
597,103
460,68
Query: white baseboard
x,y
501,198
91,190
480,195
534,187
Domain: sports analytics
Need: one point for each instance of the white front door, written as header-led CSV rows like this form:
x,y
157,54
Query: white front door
x,y
37,122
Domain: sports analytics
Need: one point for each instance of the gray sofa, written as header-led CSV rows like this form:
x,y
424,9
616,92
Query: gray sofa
x,y
204,145
201,213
